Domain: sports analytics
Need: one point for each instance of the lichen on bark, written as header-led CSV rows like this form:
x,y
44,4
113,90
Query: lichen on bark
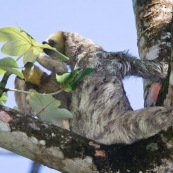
x,y
153,23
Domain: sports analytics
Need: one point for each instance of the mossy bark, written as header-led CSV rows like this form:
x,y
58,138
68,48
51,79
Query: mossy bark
x,y
65,151
153,23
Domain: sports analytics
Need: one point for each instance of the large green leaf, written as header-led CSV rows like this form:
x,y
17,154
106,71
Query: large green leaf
x,y
46,107
15,48
9,64
19,43
11,33
55,115
22,30
31,55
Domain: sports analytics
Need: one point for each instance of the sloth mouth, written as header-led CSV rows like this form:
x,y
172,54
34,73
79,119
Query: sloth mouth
x,y
49,52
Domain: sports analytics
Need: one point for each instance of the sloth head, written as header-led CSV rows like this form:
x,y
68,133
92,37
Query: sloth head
x,y
57,41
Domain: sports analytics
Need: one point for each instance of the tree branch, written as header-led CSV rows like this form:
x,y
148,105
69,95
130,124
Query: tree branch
x,y
68,152
153,24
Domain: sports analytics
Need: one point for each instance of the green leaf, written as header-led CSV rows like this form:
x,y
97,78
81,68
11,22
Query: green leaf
x,y
69,81
15,48
73,76
11,33
2,71
66,80
81,76
62,78
3,99
63,57
30,56
14,71
40,102
59,113
19,43
22,30
46,107
84,73
9,64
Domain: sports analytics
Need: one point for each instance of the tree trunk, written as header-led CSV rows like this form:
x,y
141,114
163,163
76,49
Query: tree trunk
x,y
153,23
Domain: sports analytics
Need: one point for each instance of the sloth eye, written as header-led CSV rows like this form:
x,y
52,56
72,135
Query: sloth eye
x,y
52,43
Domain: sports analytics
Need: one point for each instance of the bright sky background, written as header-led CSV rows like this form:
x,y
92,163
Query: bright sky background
x,y
109,23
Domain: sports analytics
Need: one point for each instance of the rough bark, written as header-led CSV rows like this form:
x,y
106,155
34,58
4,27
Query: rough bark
x,y
153,23
169,96
65,151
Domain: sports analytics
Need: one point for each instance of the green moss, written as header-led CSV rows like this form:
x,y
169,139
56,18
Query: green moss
x,y
168,135
152,147
140,156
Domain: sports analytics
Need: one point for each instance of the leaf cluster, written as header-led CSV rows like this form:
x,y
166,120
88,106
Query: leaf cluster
x,y
46,107
20,44
69,81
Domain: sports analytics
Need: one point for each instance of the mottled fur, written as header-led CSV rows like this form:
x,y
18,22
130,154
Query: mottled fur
x,y
101,111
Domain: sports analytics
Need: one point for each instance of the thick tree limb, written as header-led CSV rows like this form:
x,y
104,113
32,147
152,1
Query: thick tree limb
x,y
153,23
169,96
65,151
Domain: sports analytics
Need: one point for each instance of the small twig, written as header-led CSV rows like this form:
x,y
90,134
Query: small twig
x,y
29,92
55,93
20,91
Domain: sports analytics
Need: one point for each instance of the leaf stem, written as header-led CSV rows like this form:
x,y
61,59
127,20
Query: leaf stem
x,y
28,92
19,91
55,93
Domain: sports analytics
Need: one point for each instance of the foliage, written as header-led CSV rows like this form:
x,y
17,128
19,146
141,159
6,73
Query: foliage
x,y
47,105
9,65
18,43
69,81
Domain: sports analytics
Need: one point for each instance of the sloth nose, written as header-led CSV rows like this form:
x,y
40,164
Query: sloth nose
x,y
44,42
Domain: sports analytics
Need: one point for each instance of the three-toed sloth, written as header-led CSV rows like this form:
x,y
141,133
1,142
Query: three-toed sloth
x,y
101,110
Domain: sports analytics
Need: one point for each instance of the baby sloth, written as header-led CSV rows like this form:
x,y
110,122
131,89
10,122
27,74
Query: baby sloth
x,y
101,110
